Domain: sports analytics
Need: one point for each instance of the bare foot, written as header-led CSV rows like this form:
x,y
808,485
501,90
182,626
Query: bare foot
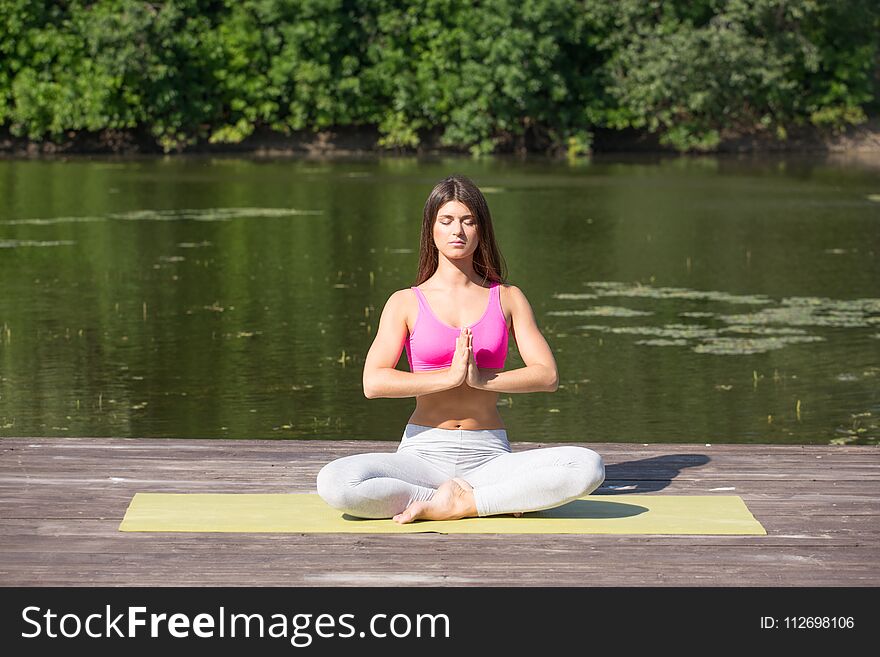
x,y
452,500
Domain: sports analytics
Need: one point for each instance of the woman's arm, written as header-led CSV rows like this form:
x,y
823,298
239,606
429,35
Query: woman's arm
x,y
381,379
540,373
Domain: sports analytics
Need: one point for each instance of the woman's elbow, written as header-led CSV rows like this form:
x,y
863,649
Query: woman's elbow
x,y
553,380
372,385
369,391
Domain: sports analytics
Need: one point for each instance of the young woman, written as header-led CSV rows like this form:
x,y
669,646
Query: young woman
x,y
454,459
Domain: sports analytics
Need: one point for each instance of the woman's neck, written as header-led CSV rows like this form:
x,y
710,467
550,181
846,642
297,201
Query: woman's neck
x,y
455,274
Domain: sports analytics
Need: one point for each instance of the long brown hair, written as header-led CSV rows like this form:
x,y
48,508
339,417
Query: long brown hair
x,y
488,261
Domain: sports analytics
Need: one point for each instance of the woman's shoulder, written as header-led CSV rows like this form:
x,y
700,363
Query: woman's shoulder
x,y
402,298
511,292
511,298
402,302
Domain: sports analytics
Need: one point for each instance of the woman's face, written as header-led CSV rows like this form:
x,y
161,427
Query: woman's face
x,y
455,230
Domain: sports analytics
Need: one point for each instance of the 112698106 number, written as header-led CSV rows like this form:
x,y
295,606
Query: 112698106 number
x,y
818,622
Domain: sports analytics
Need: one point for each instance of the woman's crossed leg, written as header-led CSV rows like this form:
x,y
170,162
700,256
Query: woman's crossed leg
x,y
406,486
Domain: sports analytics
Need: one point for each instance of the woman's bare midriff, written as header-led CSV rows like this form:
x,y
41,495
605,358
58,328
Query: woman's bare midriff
x,y
458,408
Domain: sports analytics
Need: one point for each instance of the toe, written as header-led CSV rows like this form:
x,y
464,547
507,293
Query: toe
x,y
410,513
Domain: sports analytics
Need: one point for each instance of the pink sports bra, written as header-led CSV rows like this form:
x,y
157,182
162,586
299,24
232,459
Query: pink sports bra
x,y
431,344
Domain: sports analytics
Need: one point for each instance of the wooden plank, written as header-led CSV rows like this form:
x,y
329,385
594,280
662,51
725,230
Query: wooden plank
x,y
61,501
654,573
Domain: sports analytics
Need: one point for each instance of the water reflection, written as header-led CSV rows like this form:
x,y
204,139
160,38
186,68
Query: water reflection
x,y
686,300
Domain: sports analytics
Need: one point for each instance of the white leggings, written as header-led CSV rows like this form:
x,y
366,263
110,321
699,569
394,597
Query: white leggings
x,y
380,485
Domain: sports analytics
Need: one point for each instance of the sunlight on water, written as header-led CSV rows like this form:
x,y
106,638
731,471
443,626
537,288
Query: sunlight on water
x,y
14,244
206,214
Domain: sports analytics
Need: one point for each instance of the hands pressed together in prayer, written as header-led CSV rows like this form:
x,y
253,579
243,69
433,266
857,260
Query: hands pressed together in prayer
x,y
464,365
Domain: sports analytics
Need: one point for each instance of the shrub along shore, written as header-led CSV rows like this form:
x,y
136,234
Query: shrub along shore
x,y
562,77
364,141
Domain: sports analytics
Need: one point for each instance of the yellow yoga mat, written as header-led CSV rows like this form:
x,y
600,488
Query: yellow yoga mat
x,y
304,513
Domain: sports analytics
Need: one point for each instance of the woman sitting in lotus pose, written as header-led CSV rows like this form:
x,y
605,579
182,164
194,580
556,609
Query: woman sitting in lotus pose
x,y
454,459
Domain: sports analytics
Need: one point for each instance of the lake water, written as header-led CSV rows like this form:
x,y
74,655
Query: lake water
x,y
702,300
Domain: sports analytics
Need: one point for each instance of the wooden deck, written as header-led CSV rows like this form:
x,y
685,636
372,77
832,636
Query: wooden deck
x,y
63,500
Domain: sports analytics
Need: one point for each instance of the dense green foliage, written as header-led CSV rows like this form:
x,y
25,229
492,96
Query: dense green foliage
x,y
488,75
